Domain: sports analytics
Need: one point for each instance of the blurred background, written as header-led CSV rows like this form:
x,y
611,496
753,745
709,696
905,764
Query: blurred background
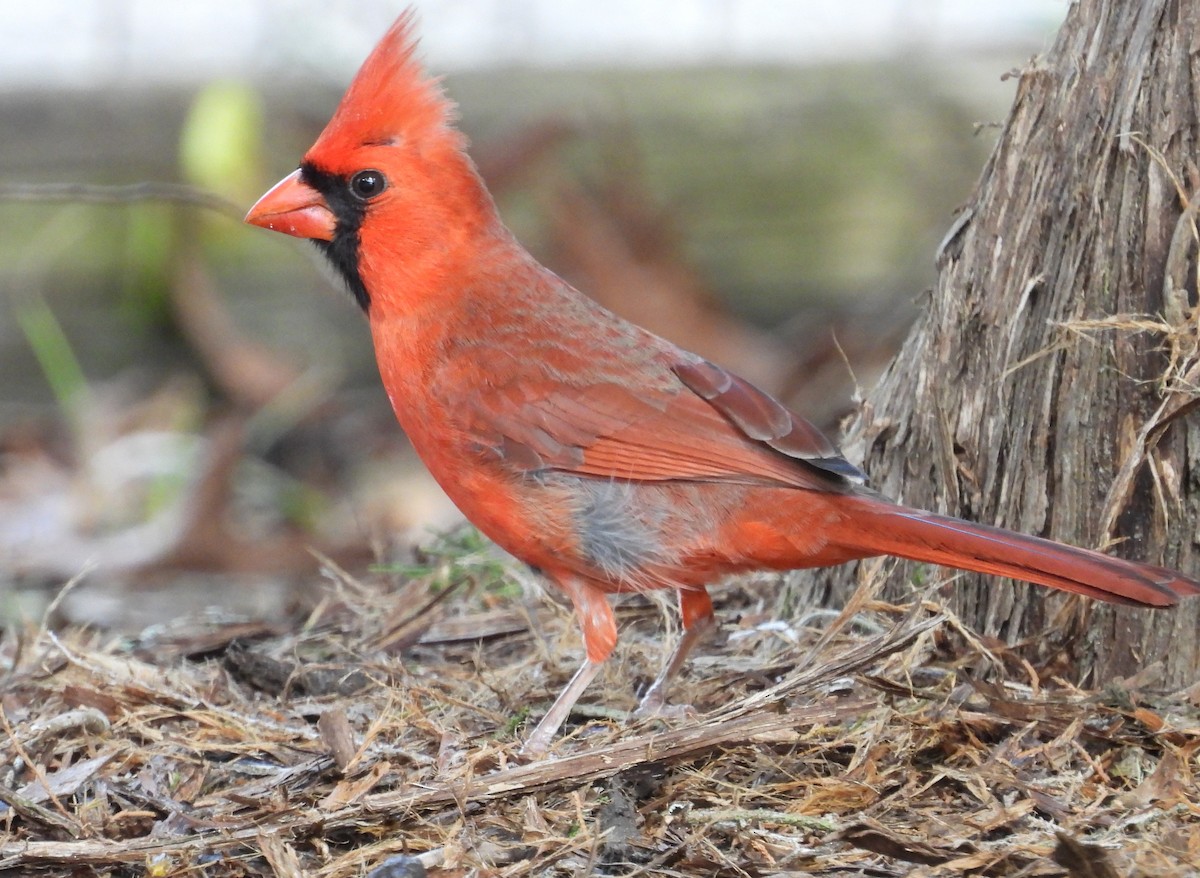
x,y
189,412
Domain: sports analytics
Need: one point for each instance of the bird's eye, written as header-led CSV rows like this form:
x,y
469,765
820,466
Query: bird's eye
x,y
367,184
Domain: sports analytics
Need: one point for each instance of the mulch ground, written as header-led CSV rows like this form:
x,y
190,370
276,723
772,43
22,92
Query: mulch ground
x,y
378,734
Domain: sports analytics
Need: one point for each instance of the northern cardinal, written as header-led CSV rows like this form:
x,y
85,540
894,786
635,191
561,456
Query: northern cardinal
x,y
605,457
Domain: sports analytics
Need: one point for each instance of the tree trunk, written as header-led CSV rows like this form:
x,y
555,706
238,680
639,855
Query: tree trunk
x,y
1048,386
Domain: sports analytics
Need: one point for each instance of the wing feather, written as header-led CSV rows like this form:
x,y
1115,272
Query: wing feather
x,y
711,426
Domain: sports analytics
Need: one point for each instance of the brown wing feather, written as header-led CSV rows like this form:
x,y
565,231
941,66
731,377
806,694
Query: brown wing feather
x,y
716,427
764,418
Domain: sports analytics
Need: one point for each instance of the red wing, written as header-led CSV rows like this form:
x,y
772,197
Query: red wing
x,y
716,427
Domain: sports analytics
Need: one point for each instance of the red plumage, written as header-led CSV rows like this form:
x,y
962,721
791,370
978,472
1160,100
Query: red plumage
x,y
606,457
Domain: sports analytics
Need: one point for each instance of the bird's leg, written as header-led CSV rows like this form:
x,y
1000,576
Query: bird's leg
x,y
696,609
599,637
539,740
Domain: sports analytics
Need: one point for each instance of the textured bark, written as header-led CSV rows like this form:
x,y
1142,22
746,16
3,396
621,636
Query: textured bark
x,y
1048,387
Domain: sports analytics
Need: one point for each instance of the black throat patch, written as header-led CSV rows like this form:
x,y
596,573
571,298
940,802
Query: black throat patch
x,y
348,213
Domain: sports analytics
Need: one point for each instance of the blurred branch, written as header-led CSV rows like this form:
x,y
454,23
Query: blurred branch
x,y
131,193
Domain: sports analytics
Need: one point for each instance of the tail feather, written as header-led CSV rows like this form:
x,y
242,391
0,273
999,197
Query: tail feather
x,y
952,542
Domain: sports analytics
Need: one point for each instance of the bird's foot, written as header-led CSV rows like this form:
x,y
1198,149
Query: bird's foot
x,y
538,743
533,750
654,704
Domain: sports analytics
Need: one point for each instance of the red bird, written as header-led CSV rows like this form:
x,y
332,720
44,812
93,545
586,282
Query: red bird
x,y
602,455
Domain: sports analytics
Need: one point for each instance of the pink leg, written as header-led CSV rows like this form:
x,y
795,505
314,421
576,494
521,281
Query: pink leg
x,y
696,608
538,742
599,637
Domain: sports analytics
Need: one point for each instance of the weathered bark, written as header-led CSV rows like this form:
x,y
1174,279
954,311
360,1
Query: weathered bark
x,y
1008,404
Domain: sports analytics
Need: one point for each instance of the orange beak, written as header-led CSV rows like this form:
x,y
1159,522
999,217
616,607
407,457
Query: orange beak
x,y
293,207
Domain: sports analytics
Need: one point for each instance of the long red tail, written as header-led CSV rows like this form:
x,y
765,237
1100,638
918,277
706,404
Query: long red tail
x,y
923,536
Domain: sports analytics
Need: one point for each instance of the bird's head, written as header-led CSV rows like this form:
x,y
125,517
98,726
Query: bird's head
x,y
387,190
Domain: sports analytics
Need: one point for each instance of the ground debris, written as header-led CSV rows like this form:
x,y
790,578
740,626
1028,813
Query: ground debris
x,y
886,742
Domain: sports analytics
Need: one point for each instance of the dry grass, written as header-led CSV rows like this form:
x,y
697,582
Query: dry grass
x,y
885,742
